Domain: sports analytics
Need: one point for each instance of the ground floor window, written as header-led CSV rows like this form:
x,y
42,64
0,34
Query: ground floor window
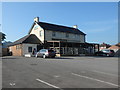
x,y
18,47
29,49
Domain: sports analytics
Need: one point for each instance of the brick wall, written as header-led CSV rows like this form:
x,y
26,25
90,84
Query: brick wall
x,y
16,50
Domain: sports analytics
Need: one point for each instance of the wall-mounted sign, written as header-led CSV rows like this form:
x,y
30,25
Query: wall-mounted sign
x,y
35,27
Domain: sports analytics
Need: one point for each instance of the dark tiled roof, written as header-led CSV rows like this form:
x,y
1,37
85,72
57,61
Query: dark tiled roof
x,y
54,27
31,39
60,28
118,44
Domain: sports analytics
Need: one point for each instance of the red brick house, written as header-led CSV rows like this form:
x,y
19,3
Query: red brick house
x,y
104,46
116,48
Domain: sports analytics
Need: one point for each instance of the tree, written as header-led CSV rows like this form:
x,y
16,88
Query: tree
x,y
2,37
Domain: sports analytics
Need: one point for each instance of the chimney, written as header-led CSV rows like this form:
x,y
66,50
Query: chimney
x,y
75,26
36,19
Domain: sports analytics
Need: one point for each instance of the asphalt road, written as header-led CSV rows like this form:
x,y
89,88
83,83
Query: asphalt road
x,y
60,73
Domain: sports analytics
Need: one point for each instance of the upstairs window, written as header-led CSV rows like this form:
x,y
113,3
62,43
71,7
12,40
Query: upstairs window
x,y
53,34
67,35
76,36
40,33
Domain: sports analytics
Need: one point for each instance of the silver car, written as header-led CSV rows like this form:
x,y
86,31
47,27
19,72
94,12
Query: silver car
x,y
46,53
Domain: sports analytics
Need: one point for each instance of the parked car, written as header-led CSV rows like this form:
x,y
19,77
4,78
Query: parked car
x,y
46,53
105,52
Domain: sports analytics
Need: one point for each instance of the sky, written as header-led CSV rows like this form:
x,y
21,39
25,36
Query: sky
x,y
99,20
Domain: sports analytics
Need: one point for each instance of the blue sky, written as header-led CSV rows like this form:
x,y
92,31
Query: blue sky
x,y
99,20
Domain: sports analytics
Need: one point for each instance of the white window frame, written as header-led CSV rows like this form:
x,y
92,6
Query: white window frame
x,y
40,33
54,34
67,35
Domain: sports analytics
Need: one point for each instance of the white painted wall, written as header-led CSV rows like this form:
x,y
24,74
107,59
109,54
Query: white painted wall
x,y
36,30
62,35
25,48
59,35
82,38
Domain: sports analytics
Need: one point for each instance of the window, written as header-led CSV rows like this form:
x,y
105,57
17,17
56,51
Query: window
x,y
76,36
29,49
40,33
67,35
18,47
53,34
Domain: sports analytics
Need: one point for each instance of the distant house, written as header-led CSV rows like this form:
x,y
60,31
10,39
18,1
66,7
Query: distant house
x,y
64,40
104,46
116,48
118,44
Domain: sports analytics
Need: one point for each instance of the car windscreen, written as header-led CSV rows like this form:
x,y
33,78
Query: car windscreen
x,y
43,50
112,50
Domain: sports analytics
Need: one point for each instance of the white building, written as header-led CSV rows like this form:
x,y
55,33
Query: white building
x,y
64,40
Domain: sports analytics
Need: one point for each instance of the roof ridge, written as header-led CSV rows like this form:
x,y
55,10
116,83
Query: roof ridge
x,y
58,25
61,28
21,40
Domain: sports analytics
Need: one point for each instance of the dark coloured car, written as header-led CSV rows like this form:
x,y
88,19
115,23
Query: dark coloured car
x,y
46,53
105,52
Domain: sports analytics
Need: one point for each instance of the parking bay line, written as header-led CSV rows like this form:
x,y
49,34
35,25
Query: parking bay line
x,y
105,73
49,84
95,79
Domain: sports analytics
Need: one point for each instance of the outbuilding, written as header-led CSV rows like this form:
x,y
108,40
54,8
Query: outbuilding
x,y
25,45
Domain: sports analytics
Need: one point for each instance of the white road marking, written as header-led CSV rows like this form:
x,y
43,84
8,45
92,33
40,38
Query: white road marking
x,y
56,76
105,73
95,79
49,84
12,84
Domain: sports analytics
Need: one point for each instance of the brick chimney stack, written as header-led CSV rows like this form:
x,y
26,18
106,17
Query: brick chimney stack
x,y
36,19
75,26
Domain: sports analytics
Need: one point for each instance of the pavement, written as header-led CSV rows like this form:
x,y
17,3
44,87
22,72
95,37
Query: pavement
x,y
60,73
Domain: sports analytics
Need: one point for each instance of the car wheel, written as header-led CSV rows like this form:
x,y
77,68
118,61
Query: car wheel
x,y
44,56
